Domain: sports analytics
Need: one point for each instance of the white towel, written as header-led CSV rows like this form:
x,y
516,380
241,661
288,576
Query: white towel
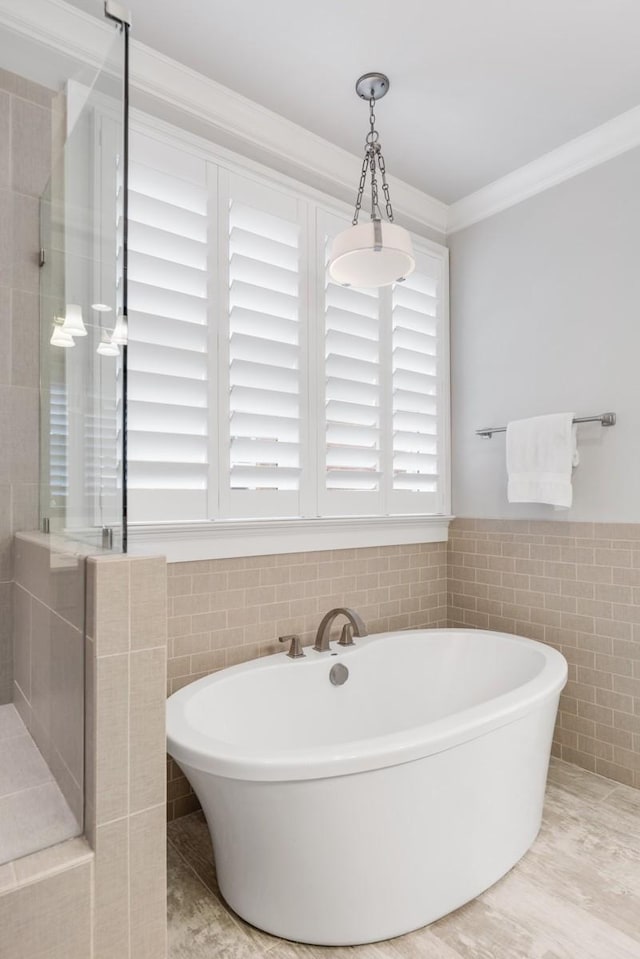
x,y
541,453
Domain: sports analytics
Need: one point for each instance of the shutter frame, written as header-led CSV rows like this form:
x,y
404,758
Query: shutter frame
x,y
312,499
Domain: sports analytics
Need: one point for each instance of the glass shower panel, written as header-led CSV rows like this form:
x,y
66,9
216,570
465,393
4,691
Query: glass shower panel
x,y
82,335
73,113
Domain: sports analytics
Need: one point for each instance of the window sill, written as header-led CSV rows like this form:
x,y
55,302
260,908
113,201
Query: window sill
x,y
181,542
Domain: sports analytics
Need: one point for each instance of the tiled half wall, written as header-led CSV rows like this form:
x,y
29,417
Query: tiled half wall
x,y
103,896
575,586
227,611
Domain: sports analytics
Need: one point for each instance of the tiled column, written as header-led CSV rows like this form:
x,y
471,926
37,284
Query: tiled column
x,y
125,766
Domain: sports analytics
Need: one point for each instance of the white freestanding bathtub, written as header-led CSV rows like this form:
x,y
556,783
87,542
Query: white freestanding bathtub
x,y
353,813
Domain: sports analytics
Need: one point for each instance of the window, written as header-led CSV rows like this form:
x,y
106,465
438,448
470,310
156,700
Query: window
x,y
258,389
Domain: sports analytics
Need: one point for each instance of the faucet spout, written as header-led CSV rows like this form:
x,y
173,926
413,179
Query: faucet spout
x,y
324,629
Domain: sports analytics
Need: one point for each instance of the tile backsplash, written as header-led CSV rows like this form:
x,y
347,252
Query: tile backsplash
x,y
575,586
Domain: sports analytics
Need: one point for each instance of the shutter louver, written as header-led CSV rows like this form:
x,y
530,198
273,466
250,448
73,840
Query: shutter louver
x,y
415,411
58,443
352,392
262,369
168,336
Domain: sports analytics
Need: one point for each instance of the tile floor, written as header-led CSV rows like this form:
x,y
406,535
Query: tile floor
x,y
33,811
575,895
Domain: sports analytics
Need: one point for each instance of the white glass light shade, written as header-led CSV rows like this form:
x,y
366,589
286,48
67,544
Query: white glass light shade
x,y
60,338
73,324
107,347
121,332
356,259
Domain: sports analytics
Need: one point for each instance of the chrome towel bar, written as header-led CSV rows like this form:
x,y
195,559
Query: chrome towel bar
x,y
605,419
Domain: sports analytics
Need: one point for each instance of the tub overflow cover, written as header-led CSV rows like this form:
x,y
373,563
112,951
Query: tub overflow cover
x,y
339,674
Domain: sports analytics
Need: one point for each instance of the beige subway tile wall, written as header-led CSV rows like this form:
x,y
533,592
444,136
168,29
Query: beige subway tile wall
x,y
575,586
48,643
227,611
125,665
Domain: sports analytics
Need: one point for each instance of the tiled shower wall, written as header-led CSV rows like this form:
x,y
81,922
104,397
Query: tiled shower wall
x,y
575,586
227,611
48,617
25,154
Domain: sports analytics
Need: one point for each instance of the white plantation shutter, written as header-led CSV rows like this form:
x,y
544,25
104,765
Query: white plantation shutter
x,y
383,374
168,415
351,384
262,345
58,442
258,388
417,404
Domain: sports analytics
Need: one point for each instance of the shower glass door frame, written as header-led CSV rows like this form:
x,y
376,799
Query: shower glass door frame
x,y
84,273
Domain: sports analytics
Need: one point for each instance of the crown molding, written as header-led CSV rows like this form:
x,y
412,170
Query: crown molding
x,y
603,143
232,114
55,24
65,30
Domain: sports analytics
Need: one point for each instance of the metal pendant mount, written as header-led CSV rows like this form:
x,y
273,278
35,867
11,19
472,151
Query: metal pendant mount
x,y
372,86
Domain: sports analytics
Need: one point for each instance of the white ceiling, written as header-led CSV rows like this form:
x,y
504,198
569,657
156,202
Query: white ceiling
x,y
478,87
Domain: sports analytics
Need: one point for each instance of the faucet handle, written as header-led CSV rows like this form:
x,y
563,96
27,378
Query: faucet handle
x,y
295,649
346,636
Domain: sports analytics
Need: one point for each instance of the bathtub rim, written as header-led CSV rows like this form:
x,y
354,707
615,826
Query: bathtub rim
x,y
190,748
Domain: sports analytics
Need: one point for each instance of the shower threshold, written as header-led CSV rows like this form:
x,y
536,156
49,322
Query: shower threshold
x,y
33,812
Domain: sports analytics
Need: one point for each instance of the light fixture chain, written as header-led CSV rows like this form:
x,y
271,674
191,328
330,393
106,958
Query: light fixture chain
x,y
373,159
375,206
372,148
363,180
385,186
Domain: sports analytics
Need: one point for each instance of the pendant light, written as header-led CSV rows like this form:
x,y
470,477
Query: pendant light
x,y
59,337
377,253
120,334
73,324
107,347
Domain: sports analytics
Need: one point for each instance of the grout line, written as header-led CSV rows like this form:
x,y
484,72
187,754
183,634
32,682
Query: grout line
x,y
26,789
614,784
192,869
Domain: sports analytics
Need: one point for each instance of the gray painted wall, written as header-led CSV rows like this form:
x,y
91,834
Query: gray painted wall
x,y
545,317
